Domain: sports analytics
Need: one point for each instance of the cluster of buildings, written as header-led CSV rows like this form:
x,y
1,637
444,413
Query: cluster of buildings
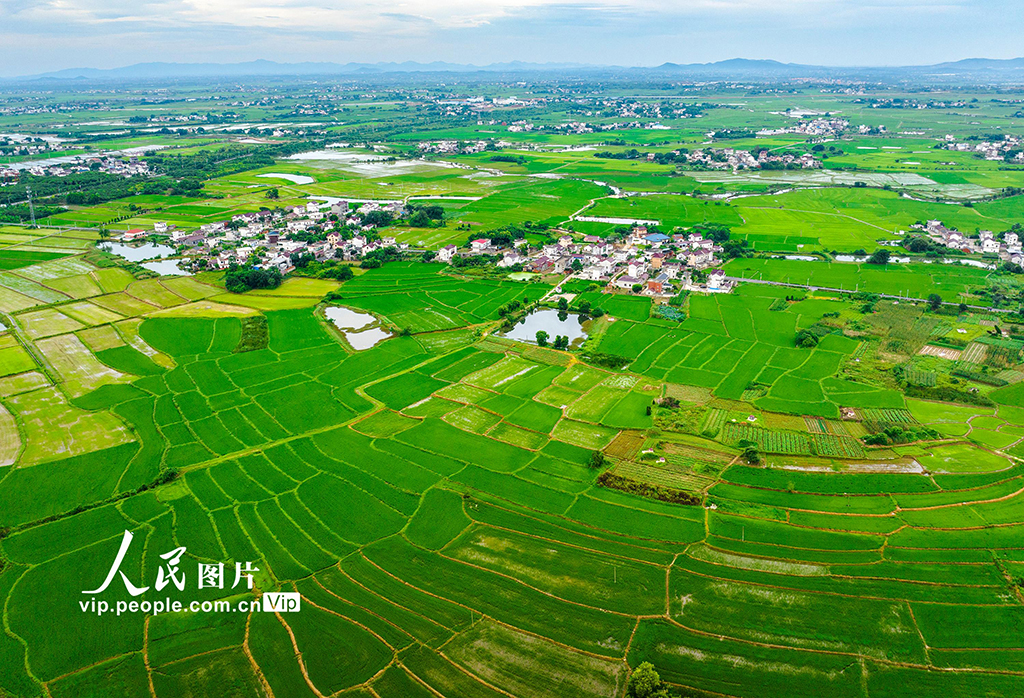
x,y
269,239
909,103
129,167
1009,249
584,127
661,265
734,159
824,128
454,106
451,147
1009,146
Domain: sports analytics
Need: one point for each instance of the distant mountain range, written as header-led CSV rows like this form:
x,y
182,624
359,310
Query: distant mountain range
x,y
271,68
1009,70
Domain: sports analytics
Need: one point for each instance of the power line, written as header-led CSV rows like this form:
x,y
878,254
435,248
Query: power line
x,y
31,206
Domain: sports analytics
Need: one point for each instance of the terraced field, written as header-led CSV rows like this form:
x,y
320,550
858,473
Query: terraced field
x,y
435,506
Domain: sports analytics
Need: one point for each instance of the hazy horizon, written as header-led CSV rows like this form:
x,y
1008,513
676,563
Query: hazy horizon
x,y
49,35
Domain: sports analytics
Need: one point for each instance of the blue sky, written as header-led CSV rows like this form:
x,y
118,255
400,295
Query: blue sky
x,y
43,35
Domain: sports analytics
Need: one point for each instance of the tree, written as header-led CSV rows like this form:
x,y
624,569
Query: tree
x,y
751,455
563,304
301,260
736,248
637,288
963,308
273,193
340,273
576,265
597,312
934,301
645,683
542,338
806,339
597,459
419,220
428,256
378,219
879,257
240,279
584,307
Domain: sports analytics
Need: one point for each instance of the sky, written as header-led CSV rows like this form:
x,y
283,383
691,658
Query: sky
x,y
43,35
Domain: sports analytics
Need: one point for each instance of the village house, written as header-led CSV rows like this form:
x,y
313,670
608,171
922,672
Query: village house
x,y
716,280
540,265
446,253
133,234
511,259
628,281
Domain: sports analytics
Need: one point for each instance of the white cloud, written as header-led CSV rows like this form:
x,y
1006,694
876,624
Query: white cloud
x,y
38,35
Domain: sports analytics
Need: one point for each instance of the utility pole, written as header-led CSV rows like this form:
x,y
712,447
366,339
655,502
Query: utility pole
x,y
31,207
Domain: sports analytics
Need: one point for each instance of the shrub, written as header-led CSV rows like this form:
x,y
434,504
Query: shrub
x,y
645,683
643,489
806,339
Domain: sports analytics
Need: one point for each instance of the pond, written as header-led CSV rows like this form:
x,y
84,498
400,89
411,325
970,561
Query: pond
x,y
366,338
971,263
368,164
293,178
351,323
347,319
166,267
138,253
550,321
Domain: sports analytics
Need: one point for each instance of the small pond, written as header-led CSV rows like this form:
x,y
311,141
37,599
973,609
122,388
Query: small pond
x,y
138,253
293,178
554,322
348,319
351,323
366,338
166,267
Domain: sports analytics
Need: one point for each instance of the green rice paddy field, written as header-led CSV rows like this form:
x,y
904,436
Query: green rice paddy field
x,y
431,501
